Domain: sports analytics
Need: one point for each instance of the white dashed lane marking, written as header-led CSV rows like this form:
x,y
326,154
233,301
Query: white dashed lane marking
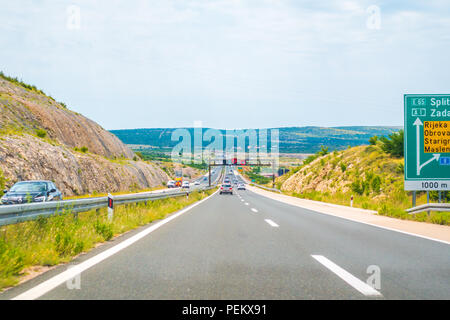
x,y
271,223
359,285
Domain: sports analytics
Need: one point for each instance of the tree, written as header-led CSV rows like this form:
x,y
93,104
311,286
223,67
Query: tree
x,y
323,150
394,144
376,184
373,140
357,187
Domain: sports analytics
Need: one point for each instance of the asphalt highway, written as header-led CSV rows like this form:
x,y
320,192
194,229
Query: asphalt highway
x,y
247,246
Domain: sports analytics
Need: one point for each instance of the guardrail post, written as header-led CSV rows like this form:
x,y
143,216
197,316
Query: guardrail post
x,y
110,207
428,201
351,201
209,174
4,233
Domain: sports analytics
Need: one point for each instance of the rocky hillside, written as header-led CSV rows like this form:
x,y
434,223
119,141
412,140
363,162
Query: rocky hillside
x,y
373,177
25,110
41,139
363,170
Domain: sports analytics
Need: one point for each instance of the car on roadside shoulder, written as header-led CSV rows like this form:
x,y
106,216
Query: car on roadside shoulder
x,y
197,183
226,188
31,191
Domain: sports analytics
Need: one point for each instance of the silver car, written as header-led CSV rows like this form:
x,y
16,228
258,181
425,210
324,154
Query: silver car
x,y
241,186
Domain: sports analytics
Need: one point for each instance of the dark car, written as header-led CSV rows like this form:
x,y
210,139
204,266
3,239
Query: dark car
x,y
31,191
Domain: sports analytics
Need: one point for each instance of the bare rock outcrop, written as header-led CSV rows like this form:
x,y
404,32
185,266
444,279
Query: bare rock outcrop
x,y
27,111
105,165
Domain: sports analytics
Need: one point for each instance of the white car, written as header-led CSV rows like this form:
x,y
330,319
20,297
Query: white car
x,y
197,183
171,184
185,184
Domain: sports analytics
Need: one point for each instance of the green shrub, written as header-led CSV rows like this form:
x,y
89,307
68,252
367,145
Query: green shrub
x,y
376,184
2,182
11,260
365,187
357,187
66,244
84,149
104,229
41,133
400,168
15,80
343,167
383,209
394,144
440,218
373,140
323,151
258,178
310,159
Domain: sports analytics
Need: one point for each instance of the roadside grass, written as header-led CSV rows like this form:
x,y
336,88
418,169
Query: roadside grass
x,y
373,177
57,239
394,205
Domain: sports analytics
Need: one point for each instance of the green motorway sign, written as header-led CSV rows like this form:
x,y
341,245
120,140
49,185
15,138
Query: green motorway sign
x,y
427,142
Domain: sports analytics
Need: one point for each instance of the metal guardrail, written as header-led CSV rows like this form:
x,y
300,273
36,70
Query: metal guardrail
x,y
429,207
12,214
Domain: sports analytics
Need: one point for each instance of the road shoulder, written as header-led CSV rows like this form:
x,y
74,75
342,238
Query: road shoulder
x,y
425,230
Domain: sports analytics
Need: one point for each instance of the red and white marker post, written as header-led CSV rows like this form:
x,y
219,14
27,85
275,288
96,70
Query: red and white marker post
x,y
110,207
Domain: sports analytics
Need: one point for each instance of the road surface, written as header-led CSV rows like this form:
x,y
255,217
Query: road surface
x,y
247,246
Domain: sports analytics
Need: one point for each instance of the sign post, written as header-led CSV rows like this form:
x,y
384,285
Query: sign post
x,y
110,207
427,142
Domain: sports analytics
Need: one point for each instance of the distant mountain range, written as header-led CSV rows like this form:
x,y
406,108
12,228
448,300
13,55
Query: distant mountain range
x,y
291,139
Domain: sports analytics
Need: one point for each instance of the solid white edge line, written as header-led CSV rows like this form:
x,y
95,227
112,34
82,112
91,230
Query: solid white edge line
x,y
59,279
366,223
359,285
273,224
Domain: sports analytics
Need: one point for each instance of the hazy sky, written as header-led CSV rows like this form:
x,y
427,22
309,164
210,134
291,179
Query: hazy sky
x,y
229,63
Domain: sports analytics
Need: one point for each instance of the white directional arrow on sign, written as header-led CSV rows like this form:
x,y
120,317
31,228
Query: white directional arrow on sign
x,y
436,156
418,123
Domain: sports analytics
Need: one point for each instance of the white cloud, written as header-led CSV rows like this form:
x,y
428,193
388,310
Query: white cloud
x,y
236,53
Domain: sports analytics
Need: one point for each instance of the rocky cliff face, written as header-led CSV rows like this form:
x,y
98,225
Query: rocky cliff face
x,y
26,111
106,165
